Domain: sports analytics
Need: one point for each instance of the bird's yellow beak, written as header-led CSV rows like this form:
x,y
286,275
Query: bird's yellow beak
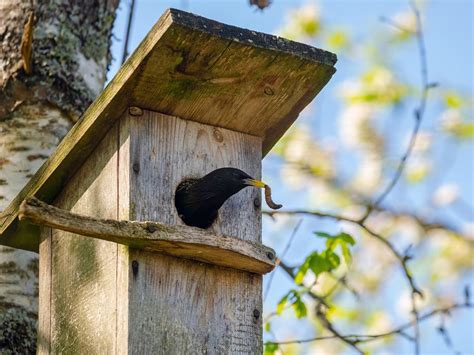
x,y
256,183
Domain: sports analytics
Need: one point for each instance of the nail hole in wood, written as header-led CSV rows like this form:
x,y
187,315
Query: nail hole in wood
x,y
256,313
135,268
151,228
256,202
136,167
135,111
218,135
268,91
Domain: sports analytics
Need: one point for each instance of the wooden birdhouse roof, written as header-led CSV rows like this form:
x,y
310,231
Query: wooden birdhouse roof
x,y
196,69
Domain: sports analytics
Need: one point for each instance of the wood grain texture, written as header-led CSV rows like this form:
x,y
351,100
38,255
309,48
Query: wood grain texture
x,y
44,312
123,213
84,270
181,306
180,241
196,69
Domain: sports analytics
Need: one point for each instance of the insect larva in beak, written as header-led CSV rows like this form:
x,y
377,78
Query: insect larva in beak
x,y
268,199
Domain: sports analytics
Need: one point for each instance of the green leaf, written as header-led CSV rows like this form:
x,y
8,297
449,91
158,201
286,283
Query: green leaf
x,y
332,259
282,303
303,270
346,237
270,348
344,240
453,100
319,264
309,26
300,308
346,253
268,326
323,235
338,39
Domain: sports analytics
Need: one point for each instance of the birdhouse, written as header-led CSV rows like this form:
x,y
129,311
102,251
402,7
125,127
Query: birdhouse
x,y
119,269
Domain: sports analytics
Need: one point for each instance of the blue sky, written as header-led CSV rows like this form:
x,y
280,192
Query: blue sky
x,y
449,35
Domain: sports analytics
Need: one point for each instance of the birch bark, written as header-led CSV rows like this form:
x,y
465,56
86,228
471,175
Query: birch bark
x,y
44,88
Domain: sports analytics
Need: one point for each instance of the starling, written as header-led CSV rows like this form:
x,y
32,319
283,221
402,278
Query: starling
x,y
198,200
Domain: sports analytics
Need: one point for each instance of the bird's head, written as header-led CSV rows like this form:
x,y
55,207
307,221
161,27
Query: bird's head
x,y
233,179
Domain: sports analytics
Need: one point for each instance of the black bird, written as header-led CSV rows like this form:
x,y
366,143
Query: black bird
x,y
198,200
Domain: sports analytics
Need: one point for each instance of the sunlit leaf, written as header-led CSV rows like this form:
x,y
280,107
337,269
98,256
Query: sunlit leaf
x,y
338,39
300,308
343,240
377,86
346,238
268,326
270,348
281,305
310,27
332,259
319,264
346,253
453,100
323,234
417,172
294,299
302,270
464,130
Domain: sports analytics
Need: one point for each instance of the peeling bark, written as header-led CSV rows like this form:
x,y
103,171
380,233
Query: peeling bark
x,y
39,102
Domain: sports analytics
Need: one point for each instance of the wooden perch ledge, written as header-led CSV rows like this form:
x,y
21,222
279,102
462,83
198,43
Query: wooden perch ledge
x,y
180,241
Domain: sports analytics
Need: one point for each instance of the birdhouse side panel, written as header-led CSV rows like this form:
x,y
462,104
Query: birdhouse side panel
x,y
82,271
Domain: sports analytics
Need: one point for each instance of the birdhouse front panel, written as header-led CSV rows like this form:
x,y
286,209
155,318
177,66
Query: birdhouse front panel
x,y
166,150
206,306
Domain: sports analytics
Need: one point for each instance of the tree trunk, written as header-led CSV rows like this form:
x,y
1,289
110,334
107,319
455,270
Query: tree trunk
x,y
45,85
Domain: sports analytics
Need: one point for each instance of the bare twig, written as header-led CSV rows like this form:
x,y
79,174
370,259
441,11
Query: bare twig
x,y
401,258
312,213
418,112
395,25
320,313
365,338
426,223
282,256
128,30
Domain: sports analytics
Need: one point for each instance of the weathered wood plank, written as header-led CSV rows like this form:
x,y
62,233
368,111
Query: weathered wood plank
x,y
180,306
84,270
44,312
236,79
123,213
180,241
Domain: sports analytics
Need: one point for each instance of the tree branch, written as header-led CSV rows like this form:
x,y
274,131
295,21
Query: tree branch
x,y
361,338
418,112
320,313
282,256
128,30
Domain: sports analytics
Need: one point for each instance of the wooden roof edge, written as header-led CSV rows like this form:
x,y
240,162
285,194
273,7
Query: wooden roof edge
x,y
79,143
252,38
9,215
